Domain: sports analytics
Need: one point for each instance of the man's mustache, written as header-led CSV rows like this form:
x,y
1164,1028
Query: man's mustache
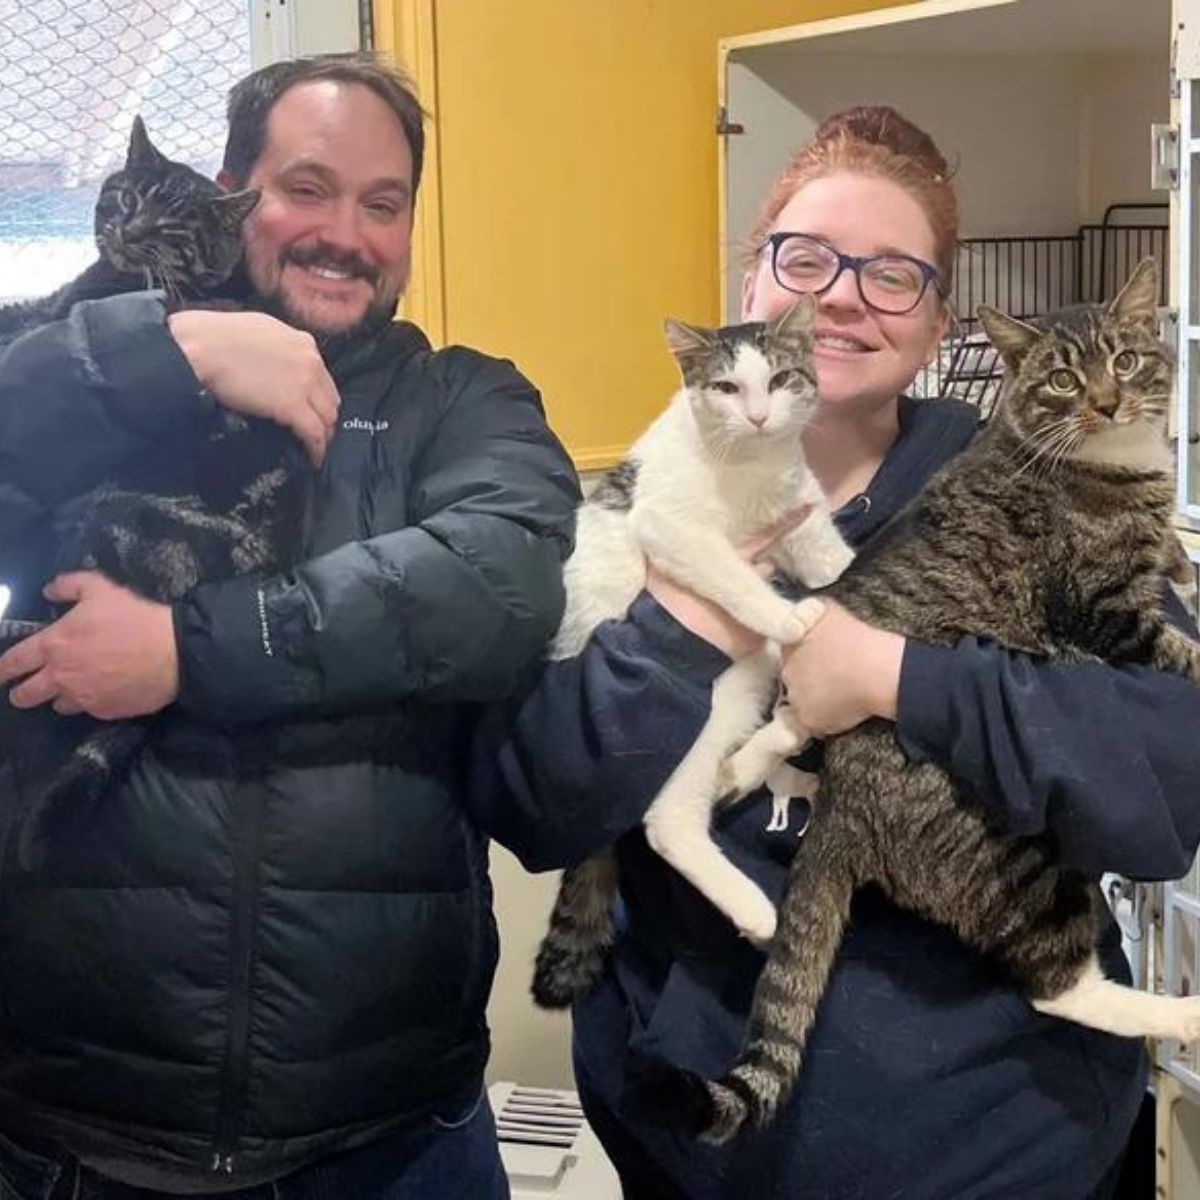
x,y
334,260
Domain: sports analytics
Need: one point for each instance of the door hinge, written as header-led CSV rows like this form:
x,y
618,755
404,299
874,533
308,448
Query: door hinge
x,y
1164,156
725,125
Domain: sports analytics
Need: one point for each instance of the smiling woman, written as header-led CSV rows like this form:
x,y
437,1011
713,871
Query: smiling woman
x,y
919,1040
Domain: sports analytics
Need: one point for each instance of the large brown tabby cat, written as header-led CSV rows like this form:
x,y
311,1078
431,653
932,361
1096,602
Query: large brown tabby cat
x,y
1051,535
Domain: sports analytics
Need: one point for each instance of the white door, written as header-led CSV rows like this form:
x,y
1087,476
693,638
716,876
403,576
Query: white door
x,y
1181,925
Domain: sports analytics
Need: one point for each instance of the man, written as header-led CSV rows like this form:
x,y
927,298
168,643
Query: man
x,y
259,965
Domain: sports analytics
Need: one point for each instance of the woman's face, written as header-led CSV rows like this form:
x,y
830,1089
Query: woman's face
x,y
863,358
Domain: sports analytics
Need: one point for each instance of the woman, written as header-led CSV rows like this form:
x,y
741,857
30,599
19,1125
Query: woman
x,y
927,1076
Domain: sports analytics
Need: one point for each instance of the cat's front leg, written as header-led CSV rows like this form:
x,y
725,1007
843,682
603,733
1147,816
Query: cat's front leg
x,y
1174,651
815,552
705,561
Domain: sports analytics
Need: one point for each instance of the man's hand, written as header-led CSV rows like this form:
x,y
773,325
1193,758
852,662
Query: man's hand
x,y
111,656
259,366
844,672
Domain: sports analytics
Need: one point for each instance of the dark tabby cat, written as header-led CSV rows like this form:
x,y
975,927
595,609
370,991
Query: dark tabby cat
x,y
1052,535
158,224
205,505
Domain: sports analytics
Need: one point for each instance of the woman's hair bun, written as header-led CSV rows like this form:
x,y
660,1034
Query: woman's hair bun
x,y
881,125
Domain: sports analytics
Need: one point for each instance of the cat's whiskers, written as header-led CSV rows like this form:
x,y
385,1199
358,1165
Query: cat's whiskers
x,y
1042,465
1066,449
1043,442
165,275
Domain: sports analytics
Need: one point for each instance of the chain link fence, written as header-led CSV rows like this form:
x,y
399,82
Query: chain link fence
x,y
73,74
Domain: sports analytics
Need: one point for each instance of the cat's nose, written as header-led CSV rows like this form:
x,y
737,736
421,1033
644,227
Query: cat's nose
x,y
1106,401
758,420
136,230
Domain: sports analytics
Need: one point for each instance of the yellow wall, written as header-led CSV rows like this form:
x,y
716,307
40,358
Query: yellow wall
x,y
574,187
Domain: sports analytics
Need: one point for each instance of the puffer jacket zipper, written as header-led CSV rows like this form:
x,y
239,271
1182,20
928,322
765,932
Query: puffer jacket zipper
x,y
247,814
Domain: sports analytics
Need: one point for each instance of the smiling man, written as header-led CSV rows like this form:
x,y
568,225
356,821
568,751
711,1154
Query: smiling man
x,y
328,245
259,965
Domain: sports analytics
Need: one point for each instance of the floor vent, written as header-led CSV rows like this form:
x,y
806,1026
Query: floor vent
x,y
547,1146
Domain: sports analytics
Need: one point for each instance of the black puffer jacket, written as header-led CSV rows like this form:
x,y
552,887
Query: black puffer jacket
x,y
275,938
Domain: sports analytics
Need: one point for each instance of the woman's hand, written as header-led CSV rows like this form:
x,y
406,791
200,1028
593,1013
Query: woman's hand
x,y
843,673
257,365
706,619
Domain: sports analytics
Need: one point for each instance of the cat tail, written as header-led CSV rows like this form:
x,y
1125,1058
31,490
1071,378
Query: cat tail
x,y
572,954
61,804
812,920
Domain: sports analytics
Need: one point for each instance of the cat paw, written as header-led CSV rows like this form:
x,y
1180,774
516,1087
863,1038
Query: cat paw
x,y
740,774
801,620
756,921
829,568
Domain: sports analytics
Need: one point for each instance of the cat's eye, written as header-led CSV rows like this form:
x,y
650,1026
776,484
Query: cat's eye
x,y
1062,380
783,379
725,386
1126,363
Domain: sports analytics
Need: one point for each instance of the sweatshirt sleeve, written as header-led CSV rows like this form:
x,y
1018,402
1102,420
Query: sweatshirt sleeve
x,y
572,762
1104,758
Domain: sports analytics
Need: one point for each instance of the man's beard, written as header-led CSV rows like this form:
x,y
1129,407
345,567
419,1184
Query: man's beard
x,y
377,315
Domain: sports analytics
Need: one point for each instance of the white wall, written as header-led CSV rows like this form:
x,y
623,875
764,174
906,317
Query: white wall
x,y
1122,97
528,1045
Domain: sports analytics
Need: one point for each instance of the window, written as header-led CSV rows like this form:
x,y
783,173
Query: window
x,y
73,74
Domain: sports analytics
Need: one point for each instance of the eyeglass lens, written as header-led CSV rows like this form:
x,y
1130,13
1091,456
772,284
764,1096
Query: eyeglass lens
x,y
887,282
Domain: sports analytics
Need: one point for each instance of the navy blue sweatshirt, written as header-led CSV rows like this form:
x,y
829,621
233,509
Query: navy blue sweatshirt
x,y
927,1077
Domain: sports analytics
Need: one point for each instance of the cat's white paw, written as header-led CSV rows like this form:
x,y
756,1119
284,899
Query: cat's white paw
x,y
830,566
756,920
741,773
801,620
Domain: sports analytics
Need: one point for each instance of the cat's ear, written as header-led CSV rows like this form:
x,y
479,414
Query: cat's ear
x,y
1012,338
232,208
796,320
687,342
142,151
1139,297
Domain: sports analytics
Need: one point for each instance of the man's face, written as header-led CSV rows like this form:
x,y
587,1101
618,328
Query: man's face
x,y
329,243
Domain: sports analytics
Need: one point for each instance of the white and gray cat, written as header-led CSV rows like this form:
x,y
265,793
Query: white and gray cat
x,y
723,461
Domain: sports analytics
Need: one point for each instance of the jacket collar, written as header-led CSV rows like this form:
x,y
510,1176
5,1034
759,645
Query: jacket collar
x,y
389,343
